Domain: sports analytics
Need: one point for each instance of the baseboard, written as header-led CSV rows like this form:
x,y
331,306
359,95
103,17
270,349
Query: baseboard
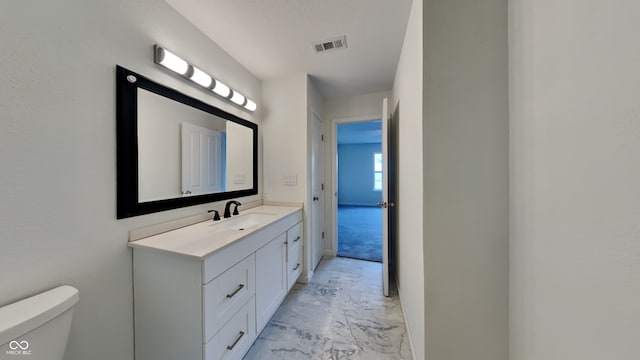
x,y
404,315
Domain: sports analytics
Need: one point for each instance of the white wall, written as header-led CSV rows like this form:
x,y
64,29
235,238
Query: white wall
x,y
58,147
284,129
286,147
466,179
356,106
291,102
239,153
367,106
407,91
575,150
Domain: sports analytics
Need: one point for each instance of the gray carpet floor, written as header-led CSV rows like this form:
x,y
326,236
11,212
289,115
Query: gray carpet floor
x,y
360,232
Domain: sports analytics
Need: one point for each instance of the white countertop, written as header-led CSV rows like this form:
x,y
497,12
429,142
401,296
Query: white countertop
x,y
202,239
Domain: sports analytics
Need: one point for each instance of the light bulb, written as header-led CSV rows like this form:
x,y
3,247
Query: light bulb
x,y
201,78
221,89
250,105
237,98
172,62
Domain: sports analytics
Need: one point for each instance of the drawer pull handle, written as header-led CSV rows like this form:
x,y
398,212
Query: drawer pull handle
x,y
298,238
297,266
236,291
230,347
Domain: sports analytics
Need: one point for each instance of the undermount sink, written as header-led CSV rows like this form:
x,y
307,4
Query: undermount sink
x,y
244,221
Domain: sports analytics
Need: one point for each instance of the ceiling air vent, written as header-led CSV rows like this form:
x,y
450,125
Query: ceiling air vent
x,y
330,44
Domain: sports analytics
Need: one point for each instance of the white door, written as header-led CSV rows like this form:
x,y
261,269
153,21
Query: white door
x,y
202,158
385,204
317,187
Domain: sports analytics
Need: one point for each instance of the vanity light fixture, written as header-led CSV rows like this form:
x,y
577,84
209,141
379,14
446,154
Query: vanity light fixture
x,y
238,98
250,105
174,63
200,77
221,89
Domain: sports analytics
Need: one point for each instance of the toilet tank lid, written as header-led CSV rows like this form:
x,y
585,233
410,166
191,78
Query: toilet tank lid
x,y
20,317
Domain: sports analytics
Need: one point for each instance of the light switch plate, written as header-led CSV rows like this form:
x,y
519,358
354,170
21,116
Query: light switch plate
x,y
290,180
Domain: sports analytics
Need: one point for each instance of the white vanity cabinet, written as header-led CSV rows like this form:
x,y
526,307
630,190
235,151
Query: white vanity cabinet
x,y
271,278
197,299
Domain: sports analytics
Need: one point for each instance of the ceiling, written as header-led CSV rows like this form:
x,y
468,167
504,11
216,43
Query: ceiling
x,y
272,38
367,132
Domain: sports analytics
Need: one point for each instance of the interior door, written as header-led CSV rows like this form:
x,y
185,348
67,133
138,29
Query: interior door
x,y
317,187
393,189
202,160
385,204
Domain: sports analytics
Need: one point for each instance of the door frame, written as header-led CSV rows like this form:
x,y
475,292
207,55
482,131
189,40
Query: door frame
x,y
334,174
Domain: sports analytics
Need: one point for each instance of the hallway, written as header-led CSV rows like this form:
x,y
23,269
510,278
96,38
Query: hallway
x,y
341,314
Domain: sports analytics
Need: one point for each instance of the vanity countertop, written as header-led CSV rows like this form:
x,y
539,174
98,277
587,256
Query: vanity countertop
x,y
202,239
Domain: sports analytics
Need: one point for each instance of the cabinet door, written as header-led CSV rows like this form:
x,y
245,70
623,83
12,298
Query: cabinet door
x,y
271,279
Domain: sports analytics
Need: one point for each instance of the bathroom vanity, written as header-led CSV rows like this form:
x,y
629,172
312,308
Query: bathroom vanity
x,y
206,290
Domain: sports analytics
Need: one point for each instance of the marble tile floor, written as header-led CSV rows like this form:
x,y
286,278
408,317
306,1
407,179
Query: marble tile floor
x,y
341,314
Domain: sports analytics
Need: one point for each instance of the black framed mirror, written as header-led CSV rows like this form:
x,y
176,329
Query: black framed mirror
x,y
175,151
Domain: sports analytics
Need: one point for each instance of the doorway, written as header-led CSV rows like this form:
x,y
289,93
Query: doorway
x,y
359,185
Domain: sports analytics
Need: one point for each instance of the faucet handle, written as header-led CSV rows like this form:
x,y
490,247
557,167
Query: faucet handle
x,y
235,209
216,215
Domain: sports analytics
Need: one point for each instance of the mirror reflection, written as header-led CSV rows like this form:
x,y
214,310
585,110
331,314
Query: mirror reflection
x,y
175,150
184,151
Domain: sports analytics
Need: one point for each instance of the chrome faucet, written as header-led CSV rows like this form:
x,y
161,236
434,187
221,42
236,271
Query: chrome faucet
x,y
227,208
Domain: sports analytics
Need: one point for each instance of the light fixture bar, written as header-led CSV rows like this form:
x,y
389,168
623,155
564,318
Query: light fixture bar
x,y
238,98
176,64
221,89
250,105
200,77
171,61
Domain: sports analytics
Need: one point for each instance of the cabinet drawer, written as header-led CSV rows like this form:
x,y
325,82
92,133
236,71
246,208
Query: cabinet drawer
x,y
235,337
294,266
224,295
294,238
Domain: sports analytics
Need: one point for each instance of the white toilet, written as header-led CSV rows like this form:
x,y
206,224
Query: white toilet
x,y
37,328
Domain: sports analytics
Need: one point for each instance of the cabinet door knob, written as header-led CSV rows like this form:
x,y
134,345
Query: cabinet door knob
x,y
297,266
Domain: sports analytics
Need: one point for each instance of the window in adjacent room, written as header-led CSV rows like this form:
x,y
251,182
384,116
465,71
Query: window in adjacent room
x,y
377,171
